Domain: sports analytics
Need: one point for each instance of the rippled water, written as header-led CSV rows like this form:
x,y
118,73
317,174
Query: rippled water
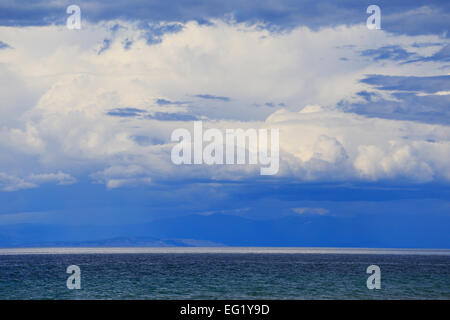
x,y
224,275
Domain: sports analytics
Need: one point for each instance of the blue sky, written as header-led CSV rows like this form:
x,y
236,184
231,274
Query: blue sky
x,y
86,119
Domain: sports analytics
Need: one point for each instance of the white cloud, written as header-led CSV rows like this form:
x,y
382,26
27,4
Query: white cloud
x,y
54,110
10,182
118,176
59,178
335,145
311,211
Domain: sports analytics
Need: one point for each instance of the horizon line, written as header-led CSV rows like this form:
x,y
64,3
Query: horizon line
x,y
221,249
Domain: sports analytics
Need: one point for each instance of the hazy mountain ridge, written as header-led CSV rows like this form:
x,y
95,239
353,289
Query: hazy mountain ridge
x,y
222,230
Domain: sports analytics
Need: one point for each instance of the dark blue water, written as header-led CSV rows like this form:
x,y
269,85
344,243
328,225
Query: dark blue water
x,y
224,276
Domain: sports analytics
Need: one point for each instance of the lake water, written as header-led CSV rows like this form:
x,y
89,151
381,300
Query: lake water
x,y
224,273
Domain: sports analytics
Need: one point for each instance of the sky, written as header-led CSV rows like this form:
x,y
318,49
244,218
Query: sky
x,y
86,117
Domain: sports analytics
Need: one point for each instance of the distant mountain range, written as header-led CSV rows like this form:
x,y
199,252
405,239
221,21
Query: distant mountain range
x,y
224,230
120,242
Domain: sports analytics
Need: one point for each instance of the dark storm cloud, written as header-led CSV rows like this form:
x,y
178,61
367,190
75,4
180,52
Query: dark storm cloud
x,y
403,17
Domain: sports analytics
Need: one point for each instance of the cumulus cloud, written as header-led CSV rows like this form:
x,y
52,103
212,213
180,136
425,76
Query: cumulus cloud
x,y
337,145
109,116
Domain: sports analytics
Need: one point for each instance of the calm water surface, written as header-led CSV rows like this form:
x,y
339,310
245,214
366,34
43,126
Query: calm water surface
x,y
221,274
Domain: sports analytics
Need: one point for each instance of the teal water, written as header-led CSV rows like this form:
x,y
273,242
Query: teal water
x,y
224,276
